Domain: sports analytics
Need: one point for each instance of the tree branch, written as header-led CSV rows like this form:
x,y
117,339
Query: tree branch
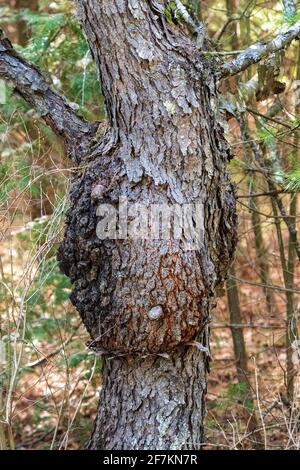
x,y
198,27
28,82
258,51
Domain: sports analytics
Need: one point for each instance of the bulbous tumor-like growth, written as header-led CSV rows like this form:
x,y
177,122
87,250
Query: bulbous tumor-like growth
x,y
163,146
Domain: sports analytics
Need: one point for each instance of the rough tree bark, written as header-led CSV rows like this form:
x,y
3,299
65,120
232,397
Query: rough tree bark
x,y
163,145
145,303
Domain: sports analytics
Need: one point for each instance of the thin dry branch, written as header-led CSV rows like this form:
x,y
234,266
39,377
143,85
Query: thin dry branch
x,y
260,50
48,356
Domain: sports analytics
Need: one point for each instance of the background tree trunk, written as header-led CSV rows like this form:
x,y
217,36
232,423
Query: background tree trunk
x,y
163,145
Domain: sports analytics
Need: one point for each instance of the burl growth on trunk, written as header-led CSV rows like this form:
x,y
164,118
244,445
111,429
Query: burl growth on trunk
x,y
163,146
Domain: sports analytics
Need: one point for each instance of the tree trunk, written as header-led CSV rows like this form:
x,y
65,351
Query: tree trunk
x,y
146,302
237,332
152,402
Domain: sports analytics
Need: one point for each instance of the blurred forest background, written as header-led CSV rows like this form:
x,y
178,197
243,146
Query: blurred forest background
x,y
49,381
